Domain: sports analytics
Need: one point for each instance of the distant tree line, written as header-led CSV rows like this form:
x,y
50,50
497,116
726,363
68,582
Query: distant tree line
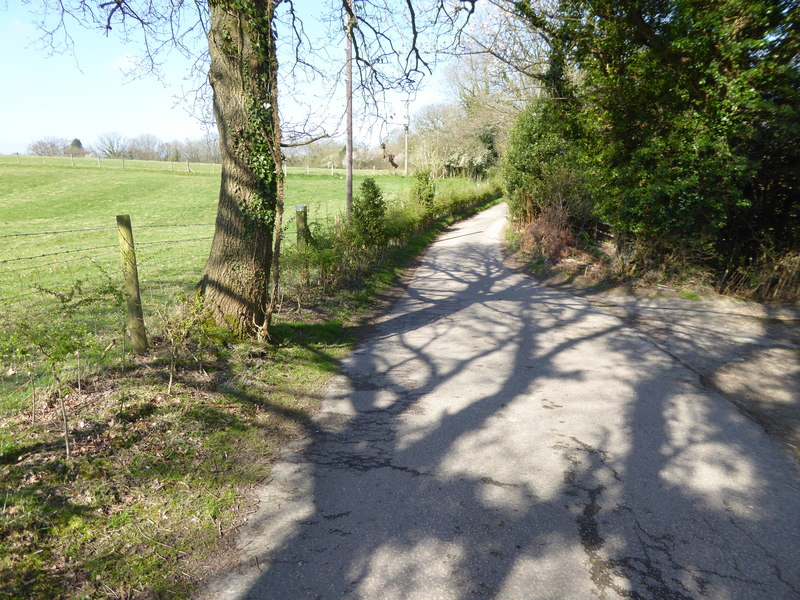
x,y
329,153
459,139
142,147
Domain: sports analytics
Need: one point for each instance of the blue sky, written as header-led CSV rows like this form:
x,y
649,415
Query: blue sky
x,y
88,93
82,95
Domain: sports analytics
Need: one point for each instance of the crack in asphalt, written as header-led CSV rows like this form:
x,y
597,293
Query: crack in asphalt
x,y
773,560
655,549
490,481
602,571
343,460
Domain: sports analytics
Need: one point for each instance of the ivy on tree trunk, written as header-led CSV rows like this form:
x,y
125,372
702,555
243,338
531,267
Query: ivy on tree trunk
x,y
243,76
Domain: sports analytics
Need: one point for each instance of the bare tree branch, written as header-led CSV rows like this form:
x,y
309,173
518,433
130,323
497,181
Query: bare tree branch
x,y
305,142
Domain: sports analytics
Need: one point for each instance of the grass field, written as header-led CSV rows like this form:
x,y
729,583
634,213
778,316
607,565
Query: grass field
x,y
58,239
41,194
57,221
159,472
172,213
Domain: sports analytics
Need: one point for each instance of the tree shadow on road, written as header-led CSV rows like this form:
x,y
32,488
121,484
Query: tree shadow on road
x,y
499,439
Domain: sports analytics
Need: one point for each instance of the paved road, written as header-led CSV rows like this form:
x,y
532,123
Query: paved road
x,y
499,439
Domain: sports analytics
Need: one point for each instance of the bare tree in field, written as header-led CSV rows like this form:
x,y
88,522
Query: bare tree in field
x,y
243,72
144,147
49,146
110,145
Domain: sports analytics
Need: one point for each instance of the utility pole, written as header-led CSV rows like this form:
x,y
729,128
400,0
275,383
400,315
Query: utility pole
x,y
348,153
405,151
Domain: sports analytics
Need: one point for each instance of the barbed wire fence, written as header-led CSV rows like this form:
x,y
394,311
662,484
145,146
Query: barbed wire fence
x,y
57,279
185,165
69,282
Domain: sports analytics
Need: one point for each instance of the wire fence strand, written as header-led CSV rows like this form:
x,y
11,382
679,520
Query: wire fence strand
x,y
60,262
62,231
11,260
77,284
34,233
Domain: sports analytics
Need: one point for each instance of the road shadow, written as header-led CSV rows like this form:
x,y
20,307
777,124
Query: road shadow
x,y
747,352
496,438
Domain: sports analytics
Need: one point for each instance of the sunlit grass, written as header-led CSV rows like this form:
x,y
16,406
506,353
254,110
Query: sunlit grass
x,y
160,467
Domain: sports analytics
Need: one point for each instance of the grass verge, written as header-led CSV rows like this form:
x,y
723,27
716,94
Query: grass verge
x,y
163,460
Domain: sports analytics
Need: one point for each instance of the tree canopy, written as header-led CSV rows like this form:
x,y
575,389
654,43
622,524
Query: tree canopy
x,y
682,117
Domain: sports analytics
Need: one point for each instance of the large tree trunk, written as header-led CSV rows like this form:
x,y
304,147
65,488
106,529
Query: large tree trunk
x,y
243,73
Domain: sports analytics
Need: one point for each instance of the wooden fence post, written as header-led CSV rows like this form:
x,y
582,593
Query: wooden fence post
x,y
303,236
301,218
135,324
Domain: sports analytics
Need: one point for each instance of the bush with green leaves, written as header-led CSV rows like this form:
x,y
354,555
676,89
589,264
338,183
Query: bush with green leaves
x,y
423,189
685,115
547,169
369,209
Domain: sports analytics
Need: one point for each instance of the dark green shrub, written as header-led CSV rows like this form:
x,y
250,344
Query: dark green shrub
x,y
369,209
547,170
423,190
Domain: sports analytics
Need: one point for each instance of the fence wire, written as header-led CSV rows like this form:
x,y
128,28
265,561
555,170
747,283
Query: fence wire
x,y
73,279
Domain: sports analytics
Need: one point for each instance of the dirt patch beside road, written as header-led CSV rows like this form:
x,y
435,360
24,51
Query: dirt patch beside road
x,y
746,351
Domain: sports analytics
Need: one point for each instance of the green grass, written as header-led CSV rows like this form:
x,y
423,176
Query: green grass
x,y
37,198
157,475
688,295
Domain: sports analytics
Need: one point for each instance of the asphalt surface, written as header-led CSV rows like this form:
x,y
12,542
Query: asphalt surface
x,y
496,438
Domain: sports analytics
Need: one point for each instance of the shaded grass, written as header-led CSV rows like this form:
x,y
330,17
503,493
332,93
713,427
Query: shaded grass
x,y
154,480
